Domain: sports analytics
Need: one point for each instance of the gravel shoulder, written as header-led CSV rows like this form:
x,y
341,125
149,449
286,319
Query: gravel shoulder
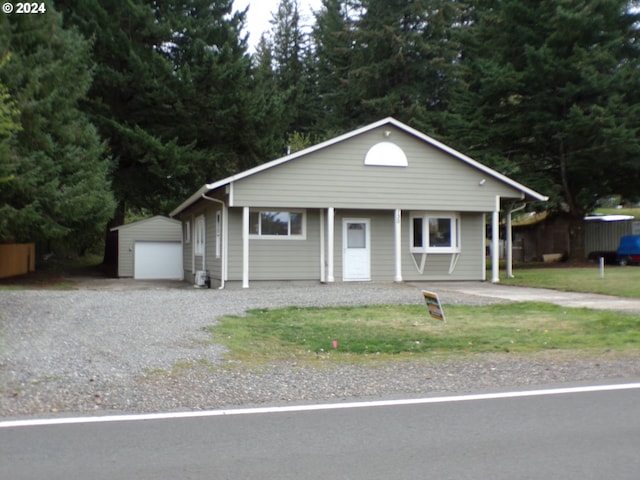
x,y
119,346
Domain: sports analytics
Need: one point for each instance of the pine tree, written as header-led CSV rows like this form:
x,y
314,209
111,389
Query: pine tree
x,y
57,188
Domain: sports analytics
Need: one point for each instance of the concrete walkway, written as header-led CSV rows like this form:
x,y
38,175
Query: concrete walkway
x,y
528,294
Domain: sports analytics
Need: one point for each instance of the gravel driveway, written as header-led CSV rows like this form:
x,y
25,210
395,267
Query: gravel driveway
x,y
121,346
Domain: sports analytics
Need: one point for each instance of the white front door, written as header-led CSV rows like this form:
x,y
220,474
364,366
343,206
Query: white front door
x,y
356,241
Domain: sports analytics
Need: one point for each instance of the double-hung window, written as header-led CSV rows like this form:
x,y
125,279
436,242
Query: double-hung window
x,y
277,224
435,233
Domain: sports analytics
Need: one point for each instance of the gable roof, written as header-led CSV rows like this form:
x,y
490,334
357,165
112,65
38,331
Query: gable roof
x,y
157,218
527,192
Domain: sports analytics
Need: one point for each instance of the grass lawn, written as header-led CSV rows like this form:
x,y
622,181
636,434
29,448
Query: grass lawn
x,y
403,332
623,281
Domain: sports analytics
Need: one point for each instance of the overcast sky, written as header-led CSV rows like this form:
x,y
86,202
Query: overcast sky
x,y
260,12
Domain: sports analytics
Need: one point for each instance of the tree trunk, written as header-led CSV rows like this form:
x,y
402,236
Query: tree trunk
x,y
576,232
110,258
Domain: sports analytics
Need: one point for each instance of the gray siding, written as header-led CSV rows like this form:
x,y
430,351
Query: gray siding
x,y
275,259
192,262
300,259
155,229
470,265
187,249
336,176
213,264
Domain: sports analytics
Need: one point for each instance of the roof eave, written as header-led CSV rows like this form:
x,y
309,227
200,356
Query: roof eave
x,y
189,201
528,194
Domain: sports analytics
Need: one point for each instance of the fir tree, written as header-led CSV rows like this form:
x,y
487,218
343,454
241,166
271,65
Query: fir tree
x,y
57,188
550,98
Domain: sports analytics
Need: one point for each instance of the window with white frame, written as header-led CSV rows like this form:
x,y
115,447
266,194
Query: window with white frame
x,y
199,235
435,232
277,224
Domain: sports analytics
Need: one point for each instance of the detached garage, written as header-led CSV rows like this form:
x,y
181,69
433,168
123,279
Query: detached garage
x,y
150,249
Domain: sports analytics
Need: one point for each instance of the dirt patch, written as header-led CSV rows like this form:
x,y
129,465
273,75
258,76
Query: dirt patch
x,y
89,278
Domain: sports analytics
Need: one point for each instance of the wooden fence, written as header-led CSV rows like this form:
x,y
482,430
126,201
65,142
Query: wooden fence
x,y
17,259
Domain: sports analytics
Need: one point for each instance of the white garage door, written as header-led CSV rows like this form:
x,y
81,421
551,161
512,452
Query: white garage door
x,y
158,261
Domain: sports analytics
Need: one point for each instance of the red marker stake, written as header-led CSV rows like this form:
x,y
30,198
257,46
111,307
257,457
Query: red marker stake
x,y
335,344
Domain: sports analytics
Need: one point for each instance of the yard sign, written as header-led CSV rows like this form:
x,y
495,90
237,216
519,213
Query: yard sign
x,y
433,305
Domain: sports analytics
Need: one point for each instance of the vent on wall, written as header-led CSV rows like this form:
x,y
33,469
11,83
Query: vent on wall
x,y
386,154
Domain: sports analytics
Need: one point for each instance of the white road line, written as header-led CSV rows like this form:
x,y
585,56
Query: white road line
x,y
310,408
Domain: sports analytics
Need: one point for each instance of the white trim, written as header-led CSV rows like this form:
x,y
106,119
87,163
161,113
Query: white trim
x,y
484,248
323,255
455,247
495,243
245,247
398,243
290,236
225,244
231,194
193,248
454,262
423,262
345,222
525,191
331,218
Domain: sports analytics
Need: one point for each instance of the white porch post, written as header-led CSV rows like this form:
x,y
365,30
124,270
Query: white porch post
x,y
495,243
331,215
398,243
245,247
509,241
323,255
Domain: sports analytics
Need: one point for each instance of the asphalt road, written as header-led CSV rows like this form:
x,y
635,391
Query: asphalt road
x,y
588,435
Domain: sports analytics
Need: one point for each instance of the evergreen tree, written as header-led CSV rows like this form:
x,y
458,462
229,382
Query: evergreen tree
x,y
9,125
225,118
134,101
56,186
271,96
550,87
292,67
333,43
387,58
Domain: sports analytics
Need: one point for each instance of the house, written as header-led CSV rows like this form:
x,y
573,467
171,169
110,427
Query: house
x,y
384,202
150,249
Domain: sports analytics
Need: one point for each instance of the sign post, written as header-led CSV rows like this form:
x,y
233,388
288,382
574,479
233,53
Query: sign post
x,y
433,305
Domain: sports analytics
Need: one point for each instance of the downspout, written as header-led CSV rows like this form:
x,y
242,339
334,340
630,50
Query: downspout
x,y
224,236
